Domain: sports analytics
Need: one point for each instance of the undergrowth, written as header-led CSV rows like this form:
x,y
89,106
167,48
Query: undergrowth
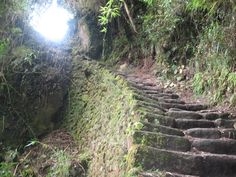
x,y
214,64
194,34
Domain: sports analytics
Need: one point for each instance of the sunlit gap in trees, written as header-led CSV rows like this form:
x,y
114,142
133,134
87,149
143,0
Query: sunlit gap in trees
x,y
52,22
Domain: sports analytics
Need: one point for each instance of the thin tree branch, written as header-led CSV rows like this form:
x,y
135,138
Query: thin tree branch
x,y
130,17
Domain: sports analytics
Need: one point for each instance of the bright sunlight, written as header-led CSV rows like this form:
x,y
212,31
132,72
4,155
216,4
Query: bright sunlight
x,y
52,23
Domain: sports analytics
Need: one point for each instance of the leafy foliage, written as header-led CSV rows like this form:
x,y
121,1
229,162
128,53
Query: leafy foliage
x,y
211,6
160,20
108,12
6,169
4,45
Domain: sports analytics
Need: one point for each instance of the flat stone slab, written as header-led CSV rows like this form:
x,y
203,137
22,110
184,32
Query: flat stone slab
x,y
162,129
204,165
162,141
151,105
228,133
219,165
163,174
215,115
208,133
189,123
168,174
225,123
162,120
176,162
217,146
187,107
171,101
184,114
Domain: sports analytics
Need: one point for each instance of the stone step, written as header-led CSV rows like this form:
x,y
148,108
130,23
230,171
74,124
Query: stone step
x,y
143,82
219,165
152,158
142,87
159,119
204,165
215,115
187,107
228,133
175,109
184,114
162,129
168,174
164,95
225,123
141,108
207,133
171,101
163,174
154,92
192,123
151,92
162,141
150,105
211,133
216,146
147,100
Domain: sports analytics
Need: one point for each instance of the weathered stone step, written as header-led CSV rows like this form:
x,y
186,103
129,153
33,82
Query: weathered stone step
x,y
153,92
162,129
163,174
142,87
207,133
228,133
159,119
152,158
192,123
146,82
215,115
204,165
187,107
219,165
148,109
184,114
150,105
146,99
162,141
164,95
216,146
168,174
171,101
225,123
211,133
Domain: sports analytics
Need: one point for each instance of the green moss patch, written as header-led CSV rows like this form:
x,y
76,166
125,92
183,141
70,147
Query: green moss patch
x,y
100,115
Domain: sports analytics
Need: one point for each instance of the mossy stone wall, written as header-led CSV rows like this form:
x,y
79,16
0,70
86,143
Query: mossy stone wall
x,y
100,115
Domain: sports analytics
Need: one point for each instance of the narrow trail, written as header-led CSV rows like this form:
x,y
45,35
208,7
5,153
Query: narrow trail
x,y
181,139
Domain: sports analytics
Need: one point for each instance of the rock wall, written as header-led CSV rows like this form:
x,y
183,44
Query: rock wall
x,y
88,38
100,115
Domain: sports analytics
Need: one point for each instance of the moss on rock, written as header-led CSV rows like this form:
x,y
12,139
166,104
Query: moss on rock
x,y
99,113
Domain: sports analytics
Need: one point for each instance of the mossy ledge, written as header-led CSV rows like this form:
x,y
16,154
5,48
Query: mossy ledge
x,y
101,116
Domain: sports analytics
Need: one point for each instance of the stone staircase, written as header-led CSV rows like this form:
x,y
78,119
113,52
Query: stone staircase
x,y
180,139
